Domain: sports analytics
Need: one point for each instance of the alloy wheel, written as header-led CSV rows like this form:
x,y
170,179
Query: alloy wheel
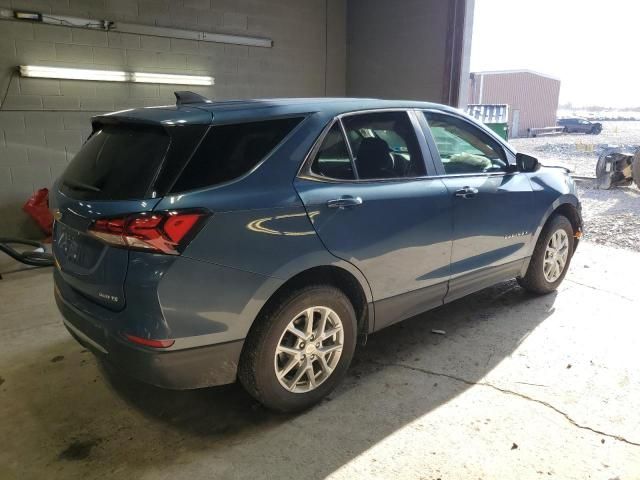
x,y
556,256
309,349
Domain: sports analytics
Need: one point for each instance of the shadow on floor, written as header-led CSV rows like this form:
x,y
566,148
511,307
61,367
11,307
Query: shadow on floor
x,y
94,420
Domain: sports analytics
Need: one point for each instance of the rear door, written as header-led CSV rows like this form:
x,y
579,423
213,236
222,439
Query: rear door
x,y
372,204
111,176
493,217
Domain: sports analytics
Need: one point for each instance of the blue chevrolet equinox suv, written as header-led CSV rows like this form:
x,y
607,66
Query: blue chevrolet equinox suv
x,y
258,240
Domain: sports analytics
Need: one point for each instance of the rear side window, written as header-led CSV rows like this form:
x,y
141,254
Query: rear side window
x,y
333,160
384,145
229,151
117,162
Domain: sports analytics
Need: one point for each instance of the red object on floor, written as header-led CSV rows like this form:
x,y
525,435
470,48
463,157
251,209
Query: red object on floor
x,y
38,208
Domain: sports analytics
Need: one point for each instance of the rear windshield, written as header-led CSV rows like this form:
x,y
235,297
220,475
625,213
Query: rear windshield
x,y
118,162
229,151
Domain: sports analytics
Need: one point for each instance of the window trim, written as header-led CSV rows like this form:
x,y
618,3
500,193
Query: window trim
x,y
305,172
509,154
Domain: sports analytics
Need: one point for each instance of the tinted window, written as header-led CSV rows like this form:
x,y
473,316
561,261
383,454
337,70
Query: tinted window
x,y
332,160
384,145
117,162
464,148
229,151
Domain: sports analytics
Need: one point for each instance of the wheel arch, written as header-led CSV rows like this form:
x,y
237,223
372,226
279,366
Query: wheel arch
x,y
333,275
567,205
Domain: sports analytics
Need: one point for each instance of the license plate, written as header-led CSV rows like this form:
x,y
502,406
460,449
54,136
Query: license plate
x,y
68,244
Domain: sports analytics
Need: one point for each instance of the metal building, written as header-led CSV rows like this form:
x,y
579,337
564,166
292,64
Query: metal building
x,y
532,97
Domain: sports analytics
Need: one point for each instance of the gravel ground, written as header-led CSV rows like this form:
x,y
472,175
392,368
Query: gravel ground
x,y
580,152
611,217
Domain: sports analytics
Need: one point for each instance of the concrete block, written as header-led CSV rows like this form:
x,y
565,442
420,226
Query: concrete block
x,y
28,137
60,102
21,30
172,60
197,4
74,53
30,175
122,8
2,141
236,50
157,44
78,88
236,21
32,5
76,120
52,33
141,90
42,120
5,178
139,58
44,156
12,121
13,156
23,102
97,104
209,20
39,86
211,49
123,40
108,56
57,169
31,50
184,46
111,89
84,36
59,139
87,6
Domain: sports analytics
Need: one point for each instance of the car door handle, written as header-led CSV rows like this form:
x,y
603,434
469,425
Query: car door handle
x,y
466,192
344,202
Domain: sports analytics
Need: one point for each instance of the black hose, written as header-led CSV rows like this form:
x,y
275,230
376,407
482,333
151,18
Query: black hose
x,y
35,259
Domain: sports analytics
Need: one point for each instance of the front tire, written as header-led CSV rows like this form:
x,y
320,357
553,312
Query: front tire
x,y
551,257
300,349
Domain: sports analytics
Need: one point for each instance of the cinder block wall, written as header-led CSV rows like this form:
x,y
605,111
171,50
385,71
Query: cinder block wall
x,y
44,122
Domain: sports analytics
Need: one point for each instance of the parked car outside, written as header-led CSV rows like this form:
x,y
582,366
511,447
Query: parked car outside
x,y
258,240
580,125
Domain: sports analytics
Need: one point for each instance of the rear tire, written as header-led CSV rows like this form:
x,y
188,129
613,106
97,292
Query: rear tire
x,y
551,257
287,365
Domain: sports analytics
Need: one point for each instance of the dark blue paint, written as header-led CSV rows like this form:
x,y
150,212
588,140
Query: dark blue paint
x,y
410,245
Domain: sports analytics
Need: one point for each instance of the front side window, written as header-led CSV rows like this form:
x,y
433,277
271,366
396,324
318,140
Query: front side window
x,y
384,145
464,148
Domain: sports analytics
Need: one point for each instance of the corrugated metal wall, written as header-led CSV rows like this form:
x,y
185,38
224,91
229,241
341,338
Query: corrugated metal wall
x,y
532,98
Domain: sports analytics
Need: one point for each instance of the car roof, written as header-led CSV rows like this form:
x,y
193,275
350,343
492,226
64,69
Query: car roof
x,y
238,110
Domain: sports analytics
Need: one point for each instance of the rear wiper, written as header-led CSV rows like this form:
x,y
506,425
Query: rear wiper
x,y
80,186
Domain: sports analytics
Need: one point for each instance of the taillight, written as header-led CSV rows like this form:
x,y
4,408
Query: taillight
x,y
163,232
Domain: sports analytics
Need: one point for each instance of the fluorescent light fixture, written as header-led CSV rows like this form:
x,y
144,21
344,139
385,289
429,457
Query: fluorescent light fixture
x,y
112,75
73,73
142,77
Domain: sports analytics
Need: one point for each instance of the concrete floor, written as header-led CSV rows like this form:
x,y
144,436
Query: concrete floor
x,y
519,387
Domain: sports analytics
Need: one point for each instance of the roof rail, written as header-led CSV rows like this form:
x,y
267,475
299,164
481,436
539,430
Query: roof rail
x,y
186,97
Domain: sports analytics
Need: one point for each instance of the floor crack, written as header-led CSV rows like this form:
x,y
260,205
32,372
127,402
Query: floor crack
x,y
509,392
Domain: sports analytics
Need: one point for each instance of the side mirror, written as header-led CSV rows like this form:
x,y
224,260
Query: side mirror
x,y
527,163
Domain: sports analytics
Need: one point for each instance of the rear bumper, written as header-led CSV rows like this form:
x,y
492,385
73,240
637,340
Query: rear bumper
x,y
173,369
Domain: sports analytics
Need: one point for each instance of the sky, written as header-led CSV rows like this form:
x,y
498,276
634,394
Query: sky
x,y
592,46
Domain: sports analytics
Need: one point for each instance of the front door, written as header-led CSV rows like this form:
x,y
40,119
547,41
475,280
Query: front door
x,y
372,205
493,219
